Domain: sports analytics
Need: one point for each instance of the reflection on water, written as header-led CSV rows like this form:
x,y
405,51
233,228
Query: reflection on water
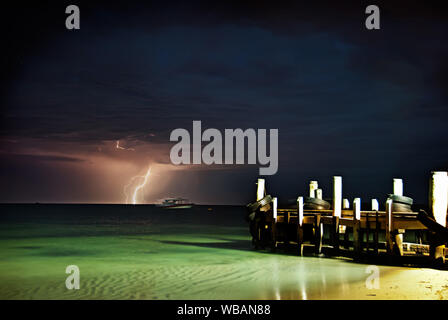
x,y
289,277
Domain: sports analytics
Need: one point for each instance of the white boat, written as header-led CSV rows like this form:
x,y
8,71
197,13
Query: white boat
x,y
175,203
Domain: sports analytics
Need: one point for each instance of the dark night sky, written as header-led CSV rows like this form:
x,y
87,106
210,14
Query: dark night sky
x,y
367,105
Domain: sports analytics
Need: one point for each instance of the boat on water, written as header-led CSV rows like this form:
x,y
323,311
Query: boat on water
x,y
175,203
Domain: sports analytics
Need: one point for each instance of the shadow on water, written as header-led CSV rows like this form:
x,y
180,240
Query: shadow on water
x,y
383,260
243,245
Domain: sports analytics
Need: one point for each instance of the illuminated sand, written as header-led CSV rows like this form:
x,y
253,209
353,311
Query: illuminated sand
x,y
164,255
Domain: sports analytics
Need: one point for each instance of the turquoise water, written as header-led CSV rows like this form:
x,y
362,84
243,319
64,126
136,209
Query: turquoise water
x,y
142,252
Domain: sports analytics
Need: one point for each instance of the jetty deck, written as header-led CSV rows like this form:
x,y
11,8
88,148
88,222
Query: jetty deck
x,y
351,232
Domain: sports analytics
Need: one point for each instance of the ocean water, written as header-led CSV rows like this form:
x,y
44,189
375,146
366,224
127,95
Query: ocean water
x,y
144,252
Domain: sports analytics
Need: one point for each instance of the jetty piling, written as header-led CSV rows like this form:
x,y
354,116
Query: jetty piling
x,y
313,188
337,196
260,189
398,187
319,194
300,224
375,205
398,191
438,204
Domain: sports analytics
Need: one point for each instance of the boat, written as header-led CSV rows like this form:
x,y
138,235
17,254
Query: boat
x,y
175,203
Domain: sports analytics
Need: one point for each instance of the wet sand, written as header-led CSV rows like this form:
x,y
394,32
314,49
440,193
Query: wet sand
x,y
145,253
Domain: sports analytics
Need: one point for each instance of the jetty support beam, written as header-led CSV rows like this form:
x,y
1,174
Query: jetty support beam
x,y
389,226
398,190
357,226
318,234
337,196
337,212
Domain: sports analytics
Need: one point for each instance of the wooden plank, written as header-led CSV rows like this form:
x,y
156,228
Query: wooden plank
x,y
346,222
308,219
326,220
408,224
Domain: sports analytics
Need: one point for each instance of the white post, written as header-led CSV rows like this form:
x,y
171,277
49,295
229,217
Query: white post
x,y
375,205
337,196
357,225
398,187
274,208
438,196
300,210
319,194
345,204
260,189
357,209
389,226
313,188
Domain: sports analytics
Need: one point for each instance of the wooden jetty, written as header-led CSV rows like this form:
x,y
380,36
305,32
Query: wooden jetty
x,y
341,231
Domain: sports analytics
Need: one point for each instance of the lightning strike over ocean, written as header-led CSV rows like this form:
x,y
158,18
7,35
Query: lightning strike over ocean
x,y
138,187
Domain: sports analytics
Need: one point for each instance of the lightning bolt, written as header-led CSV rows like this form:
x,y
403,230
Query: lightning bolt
x,y
117,146
128,185
138,187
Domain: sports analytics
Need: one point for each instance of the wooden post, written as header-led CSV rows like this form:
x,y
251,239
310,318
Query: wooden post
x,y
376,234
337,196
274,223
335,235
438,203
313,188
398,187
398,190
399,241
367,232
345,204
260,195
375,205
318,226
343,229
337,212
300,224
260,189
389,226
357,226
